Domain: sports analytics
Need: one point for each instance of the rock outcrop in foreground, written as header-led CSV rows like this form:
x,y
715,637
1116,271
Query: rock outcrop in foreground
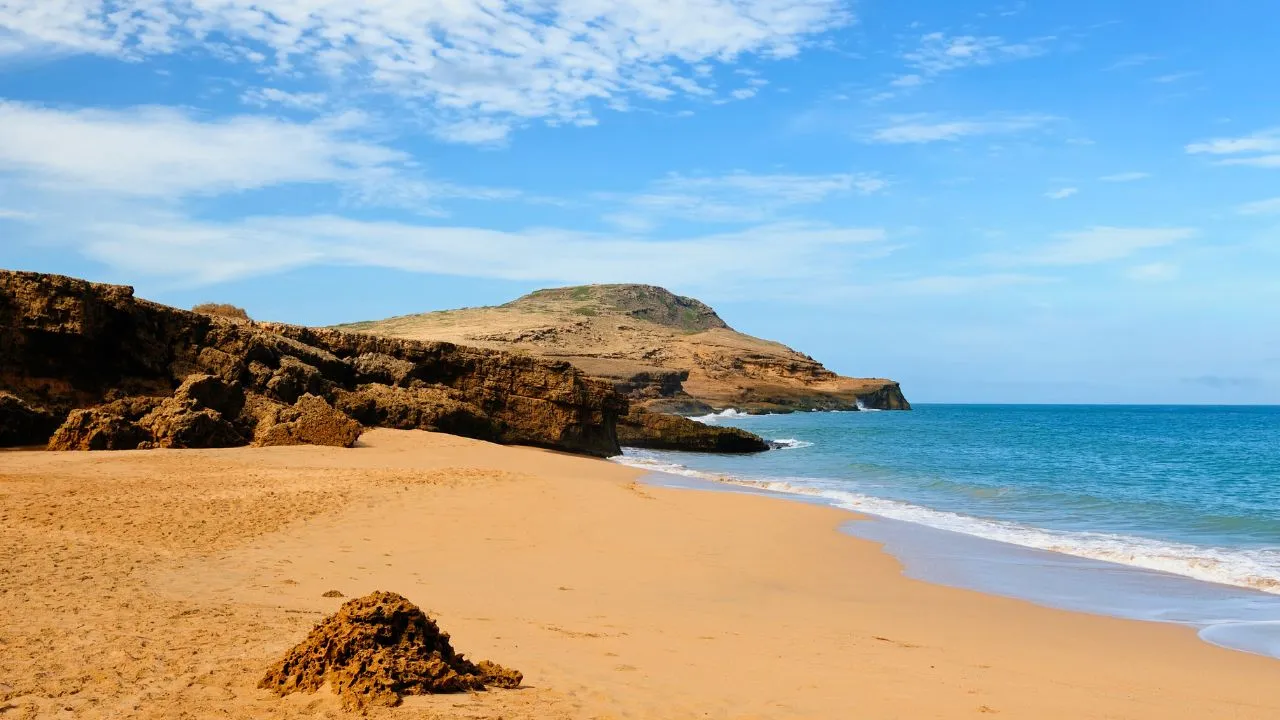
x,y
377,649
89,366
665,352
660,431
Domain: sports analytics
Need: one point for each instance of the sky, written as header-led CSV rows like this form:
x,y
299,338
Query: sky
x,y
1040,201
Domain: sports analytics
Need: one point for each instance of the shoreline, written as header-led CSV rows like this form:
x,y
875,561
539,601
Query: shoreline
x,y
1228,616
154,583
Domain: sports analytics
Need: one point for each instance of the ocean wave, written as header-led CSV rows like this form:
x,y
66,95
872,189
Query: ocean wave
x,y
789,444
713,418
864,408
1258,569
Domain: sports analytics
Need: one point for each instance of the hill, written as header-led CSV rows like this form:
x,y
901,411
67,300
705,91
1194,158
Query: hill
x,y
667,352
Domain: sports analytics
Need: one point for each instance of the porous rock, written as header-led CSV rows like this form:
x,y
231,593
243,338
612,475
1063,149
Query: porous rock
x,y
309,421
422,408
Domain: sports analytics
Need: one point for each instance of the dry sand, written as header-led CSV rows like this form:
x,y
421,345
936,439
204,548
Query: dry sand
x,y
164,583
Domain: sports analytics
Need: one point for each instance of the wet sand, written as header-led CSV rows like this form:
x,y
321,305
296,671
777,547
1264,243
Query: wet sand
x,y
163,583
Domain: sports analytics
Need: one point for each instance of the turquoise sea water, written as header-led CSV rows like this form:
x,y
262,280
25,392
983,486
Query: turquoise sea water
x,y
1192,493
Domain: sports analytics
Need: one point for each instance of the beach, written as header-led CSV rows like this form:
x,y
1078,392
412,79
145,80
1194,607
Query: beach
x,y
163,583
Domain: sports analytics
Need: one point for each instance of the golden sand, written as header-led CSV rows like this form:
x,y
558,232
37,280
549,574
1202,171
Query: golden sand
x,y
160,584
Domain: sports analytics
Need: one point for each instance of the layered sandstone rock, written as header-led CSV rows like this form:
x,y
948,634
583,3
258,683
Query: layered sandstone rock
x,y
663,351
659,431
69,345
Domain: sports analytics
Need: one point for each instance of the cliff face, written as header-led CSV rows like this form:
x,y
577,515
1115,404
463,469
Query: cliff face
x,y
67,344
665,352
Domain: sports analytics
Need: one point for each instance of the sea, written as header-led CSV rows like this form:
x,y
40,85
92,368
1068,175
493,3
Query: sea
x,y
1161,513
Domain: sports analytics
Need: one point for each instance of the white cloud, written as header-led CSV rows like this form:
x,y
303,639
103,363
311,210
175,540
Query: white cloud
x,y
907,81
16,215
1265,141
1061,193
1173,77
266,97
1125,177
205,252
921,129
1135,60
938,52
467,60
168,154
1262,161
1261,149
1155,272
737,198
1261,207
163,152
1095,245
744,93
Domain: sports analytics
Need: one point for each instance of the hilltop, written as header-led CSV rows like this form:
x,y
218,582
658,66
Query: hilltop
x,y
667,352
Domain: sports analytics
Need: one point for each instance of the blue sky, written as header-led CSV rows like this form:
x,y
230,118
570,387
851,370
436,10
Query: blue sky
x,y
995,201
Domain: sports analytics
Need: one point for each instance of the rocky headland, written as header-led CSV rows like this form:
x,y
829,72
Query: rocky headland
x,y
665,352
89,366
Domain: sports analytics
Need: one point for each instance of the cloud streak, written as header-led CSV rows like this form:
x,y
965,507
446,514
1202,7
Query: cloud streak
x,y
1095,245
919,129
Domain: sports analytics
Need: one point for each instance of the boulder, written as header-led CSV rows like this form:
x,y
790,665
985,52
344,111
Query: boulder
x,y
98,429
657,431
180,424
423,408
309,421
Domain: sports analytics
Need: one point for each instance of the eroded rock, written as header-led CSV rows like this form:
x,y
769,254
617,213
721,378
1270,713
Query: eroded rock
x,y
658,431
310,421
425,408
73,345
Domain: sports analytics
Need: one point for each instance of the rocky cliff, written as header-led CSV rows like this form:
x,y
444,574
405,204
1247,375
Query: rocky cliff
x,y
661,431
91,366
665,352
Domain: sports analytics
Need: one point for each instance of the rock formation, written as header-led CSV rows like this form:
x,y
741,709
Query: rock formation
x,y
375,650
109,371
660,431
665,352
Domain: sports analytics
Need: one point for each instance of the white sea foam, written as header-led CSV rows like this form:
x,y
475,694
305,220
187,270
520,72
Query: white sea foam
x,y
790,444
713,418
864,408
1258,569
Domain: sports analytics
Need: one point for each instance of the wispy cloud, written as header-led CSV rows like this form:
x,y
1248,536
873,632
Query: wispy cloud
x,y
269,97
1155,272
168,154
1061,193
1125,177
939,52
1261,149
1260,207
195,252
1168,78
9,214
734,198
1095,245
908,129
461,61
1135,60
